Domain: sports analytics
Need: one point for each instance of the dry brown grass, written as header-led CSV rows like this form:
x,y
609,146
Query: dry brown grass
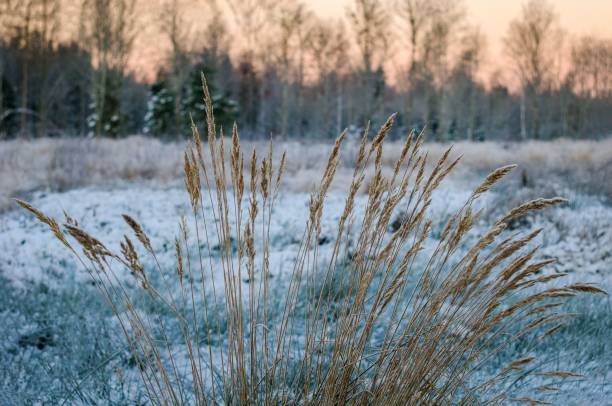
x,y
61,164
400,333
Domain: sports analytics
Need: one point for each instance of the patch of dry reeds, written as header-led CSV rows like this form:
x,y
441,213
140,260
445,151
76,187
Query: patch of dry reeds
x,y
409,327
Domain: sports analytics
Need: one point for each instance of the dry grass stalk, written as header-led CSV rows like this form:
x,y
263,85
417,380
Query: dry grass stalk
x,y
379,322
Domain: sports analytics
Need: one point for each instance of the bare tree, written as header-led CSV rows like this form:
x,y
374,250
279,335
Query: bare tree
x,y
328,47
108,32
176,29
370,21
293,18
212,33
416,16
252,17
432,28
437,60
33,25
590,82
465,83
591,67
530,43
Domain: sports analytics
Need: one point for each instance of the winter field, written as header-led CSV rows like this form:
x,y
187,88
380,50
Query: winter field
x,y
61,344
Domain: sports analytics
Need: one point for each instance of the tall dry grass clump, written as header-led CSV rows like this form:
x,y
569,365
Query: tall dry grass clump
x,y
377,320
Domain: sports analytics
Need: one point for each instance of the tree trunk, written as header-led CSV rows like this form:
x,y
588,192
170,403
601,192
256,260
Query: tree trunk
x,y
523,116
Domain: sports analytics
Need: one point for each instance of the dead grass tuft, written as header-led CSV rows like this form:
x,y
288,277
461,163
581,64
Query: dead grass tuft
x,y
409,327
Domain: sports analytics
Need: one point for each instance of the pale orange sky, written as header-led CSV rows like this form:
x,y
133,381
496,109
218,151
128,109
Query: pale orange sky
x,y
493,16
576,17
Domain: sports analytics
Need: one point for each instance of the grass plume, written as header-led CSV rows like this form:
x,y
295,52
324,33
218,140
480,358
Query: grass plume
x,y
392,324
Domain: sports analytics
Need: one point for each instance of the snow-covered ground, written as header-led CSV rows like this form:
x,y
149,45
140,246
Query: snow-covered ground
x,y
46,294
578,235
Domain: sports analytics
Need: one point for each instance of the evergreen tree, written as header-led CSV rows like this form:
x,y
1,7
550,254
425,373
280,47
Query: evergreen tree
x,y
159,119
8,102
226,109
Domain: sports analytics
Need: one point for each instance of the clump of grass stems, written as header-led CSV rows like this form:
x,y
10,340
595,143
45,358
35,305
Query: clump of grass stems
x,y
405,329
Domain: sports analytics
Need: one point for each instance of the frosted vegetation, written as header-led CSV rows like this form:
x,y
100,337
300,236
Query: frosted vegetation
x,y
63,344
66,163
381,273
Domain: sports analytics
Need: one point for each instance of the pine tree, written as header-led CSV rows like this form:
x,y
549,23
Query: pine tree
x,y
8,102
225,108
159,119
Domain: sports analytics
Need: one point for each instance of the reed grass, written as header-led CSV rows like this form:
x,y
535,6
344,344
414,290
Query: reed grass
x,y
376,321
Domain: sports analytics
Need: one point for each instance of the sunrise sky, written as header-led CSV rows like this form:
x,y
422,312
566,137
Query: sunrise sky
x,y
576,17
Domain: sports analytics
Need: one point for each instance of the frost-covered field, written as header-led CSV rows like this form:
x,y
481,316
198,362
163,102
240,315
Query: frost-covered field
x,y
59,343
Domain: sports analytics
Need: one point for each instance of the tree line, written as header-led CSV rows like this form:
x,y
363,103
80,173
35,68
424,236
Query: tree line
x,y
67,68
